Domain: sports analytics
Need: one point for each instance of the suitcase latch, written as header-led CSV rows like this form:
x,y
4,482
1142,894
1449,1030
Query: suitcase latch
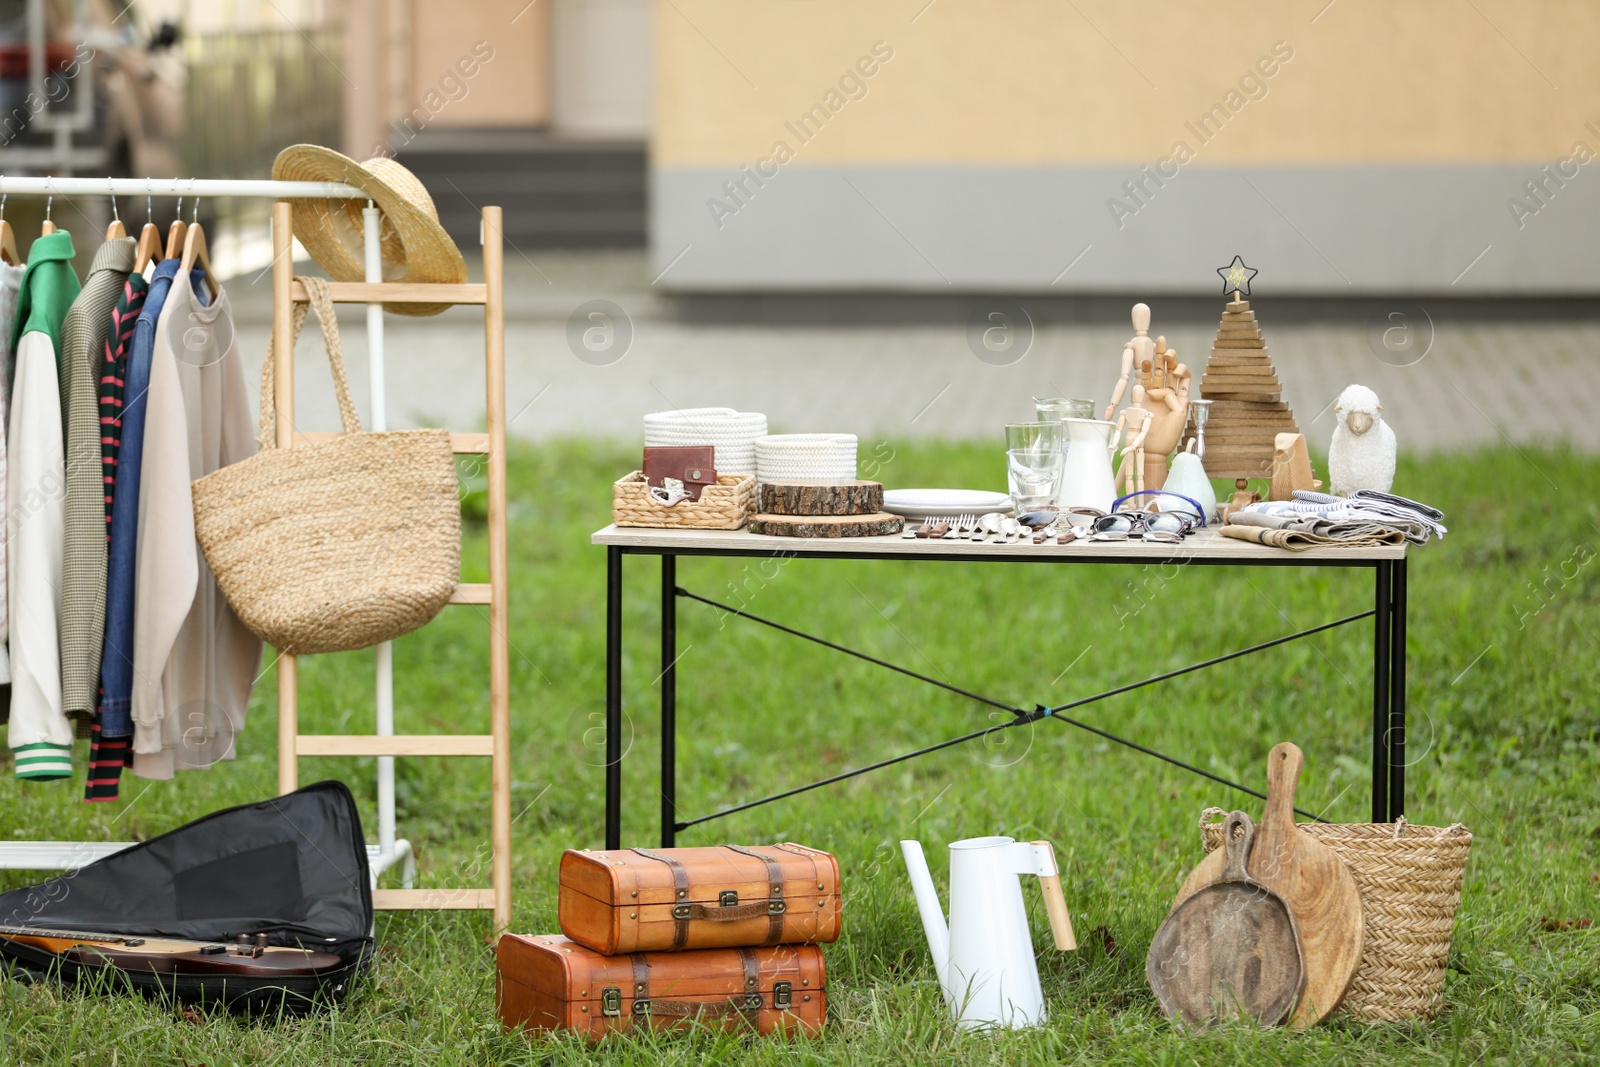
x,y
752,1002
776,906
729,898
782,995
611,1001
641,1007
682,911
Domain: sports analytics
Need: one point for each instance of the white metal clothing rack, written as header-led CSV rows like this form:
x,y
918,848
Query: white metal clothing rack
x,y
390,850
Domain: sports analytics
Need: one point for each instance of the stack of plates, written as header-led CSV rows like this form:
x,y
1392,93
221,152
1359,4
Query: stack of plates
x,y
943,503
806,457
733,433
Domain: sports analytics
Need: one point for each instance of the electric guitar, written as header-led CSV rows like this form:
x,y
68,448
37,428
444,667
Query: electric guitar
x,y
246,956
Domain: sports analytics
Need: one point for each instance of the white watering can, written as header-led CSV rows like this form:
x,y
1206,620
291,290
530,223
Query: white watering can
x,y
984,957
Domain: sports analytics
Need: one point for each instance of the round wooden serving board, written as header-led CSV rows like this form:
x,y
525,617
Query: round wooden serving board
x,y
874,525
1312,879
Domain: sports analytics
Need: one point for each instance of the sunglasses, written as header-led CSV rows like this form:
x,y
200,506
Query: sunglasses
x,y
1168,527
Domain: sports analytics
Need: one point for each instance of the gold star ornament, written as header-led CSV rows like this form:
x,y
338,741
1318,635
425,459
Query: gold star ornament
x,y
1236,277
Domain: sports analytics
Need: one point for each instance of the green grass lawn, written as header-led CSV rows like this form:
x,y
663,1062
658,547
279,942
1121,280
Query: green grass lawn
x,y
1504,737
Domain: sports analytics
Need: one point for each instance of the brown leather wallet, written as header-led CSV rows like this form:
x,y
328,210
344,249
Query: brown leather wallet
x,y
693,465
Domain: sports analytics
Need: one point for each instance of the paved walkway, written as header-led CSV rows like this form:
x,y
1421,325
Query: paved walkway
x,y
892,367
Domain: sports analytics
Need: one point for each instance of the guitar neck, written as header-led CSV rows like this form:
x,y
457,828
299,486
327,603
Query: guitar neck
x,y
68,935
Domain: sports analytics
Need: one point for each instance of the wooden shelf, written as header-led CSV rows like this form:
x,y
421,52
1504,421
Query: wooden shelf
x,y
394,745
432,899
398,293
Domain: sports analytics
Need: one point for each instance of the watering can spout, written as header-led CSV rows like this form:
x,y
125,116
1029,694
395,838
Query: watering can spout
x,y
928,906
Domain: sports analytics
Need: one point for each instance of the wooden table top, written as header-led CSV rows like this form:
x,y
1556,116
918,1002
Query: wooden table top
x,y
1203,546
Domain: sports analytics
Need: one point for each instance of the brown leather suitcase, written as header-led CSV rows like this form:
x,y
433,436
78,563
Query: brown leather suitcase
x,y
670,899
547,982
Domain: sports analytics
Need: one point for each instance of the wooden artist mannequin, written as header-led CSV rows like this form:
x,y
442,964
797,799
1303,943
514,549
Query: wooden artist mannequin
x,y
1134,422
1135,353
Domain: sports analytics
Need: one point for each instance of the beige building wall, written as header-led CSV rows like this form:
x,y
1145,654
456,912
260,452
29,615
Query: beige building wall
x,y
510,88
1351,146
1045,81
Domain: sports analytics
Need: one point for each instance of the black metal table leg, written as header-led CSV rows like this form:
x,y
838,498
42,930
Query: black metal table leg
x,y
669,699
1380,691
1397,693
613,697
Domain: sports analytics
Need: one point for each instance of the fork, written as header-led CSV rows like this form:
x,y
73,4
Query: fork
x,y
958,528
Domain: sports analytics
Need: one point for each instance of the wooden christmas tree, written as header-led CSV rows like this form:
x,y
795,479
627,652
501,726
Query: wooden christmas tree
x,y
1248,411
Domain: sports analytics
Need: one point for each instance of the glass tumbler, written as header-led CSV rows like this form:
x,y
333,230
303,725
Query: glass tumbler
x,y
1034,476
1031,436
1056,408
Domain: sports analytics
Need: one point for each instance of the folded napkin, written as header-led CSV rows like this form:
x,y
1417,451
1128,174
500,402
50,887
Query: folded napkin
x,y
1297,536
1417,522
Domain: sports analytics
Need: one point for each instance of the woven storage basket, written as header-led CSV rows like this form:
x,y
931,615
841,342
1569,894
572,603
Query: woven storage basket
x,y
724,506
338,545
732,433
1410,882
800,457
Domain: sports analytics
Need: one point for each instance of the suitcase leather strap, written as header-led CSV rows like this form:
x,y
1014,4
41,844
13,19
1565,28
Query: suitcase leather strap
x,y
684,912
681,909
774,904
747,1004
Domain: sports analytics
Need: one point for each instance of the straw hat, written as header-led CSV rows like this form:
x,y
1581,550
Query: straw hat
x,y
415,247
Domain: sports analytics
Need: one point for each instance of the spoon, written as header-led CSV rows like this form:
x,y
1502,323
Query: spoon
x,y
1008,530
987,524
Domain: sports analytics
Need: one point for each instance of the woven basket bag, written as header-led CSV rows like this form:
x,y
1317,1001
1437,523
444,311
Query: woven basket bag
x,y
337,545
1410,882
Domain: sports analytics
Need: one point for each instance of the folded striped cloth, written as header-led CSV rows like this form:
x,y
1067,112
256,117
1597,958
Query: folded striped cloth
x,y
1297,532
1418,522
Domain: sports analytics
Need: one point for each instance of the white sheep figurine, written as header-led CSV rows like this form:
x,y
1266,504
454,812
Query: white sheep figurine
x,y
1361,455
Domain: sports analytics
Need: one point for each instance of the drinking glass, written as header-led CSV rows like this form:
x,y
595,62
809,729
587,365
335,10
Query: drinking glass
x,y
1056,408
1032,436
1034,476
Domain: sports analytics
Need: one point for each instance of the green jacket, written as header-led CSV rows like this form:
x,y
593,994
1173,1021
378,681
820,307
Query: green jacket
x,y
48,288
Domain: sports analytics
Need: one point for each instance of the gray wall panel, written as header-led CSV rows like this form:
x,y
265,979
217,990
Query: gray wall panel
x,y
1310,230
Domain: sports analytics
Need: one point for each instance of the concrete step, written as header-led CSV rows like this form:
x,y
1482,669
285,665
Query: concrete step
x,y
556,192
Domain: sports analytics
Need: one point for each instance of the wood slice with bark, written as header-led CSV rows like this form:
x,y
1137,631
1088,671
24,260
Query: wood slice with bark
x,y
820,498
875,525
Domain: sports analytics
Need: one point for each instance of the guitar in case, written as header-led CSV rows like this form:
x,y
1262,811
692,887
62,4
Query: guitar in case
x,y
261,907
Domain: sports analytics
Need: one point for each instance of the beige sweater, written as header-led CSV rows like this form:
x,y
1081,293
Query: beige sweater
x,y
194,661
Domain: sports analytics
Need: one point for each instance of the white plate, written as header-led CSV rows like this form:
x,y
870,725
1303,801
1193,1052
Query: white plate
x,y
939,503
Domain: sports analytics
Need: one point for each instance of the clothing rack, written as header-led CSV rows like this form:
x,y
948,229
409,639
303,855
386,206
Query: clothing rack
x,y
390,850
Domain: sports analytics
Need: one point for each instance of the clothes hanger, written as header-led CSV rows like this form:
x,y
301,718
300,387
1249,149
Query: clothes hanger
x,y
175,234
149,248
194,251
48,227
116,229
8,240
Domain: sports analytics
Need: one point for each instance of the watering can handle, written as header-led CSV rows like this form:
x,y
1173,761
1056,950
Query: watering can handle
x,y
1055,902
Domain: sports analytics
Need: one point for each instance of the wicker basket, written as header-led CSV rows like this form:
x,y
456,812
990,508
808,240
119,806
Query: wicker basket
x,y
1410,882
724,506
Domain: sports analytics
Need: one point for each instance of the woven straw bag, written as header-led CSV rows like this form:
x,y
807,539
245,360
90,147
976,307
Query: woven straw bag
x,y
1410,882
337,545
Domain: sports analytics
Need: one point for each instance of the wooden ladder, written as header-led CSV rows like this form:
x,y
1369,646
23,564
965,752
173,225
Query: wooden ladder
x,y
497,743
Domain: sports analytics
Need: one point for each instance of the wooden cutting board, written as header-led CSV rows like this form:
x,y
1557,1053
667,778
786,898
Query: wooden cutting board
x,y
1314,881
1230,950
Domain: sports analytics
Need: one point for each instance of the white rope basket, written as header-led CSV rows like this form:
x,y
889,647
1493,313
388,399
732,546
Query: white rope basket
x,y
817,457
732,433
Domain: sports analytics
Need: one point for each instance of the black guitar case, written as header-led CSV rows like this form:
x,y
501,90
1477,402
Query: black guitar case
x,y
293,867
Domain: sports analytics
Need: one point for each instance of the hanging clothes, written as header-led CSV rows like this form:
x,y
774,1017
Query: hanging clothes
x,y
116,664
39,733
83,585
108,755
194,661
10,291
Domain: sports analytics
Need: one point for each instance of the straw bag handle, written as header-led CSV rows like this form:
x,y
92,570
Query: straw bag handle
x,y
322,303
